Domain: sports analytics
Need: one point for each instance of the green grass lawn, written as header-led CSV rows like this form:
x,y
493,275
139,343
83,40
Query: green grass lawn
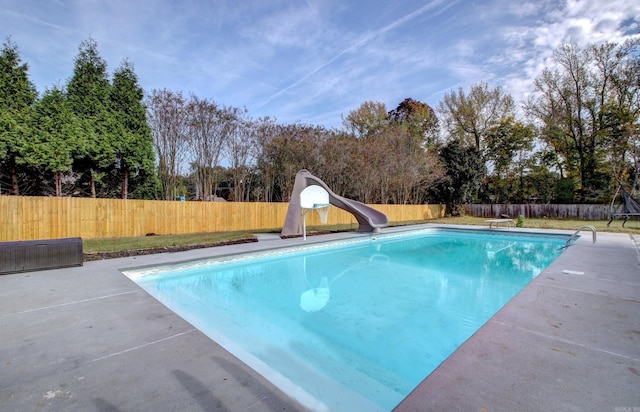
x,y
111,245
106,245
632,226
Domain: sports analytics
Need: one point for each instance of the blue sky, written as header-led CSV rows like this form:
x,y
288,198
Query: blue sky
x,y
313,61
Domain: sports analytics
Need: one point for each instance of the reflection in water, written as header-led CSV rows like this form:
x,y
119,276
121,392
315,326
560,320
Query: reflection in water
x,y
316,298
312,300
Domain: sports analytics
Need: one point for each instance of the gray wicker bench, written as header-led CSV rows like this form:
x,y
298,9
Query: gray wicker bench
x,y
30,255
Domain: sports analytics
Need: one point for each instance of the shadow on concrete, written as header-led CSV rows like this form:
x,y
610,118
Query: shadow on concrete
x,y
104,406
256,386
203,395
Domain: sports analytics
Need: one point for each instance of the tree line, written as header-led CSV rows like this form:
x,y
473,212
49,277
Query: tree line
x,y
101,136
89,137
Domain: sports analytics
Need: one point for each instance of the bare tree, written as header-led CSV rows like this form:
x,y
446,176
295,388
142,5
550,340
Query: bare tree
x,y
336,162
587,108
620,66
396,169
209,128
411,172
240,151
170,130
469,117
267,131
286,150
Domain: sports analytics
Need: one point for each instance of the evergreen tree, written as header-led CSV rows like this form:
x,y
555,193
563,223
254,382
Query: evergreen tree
x,y
55,137
17,95
134,146
465,171
88,93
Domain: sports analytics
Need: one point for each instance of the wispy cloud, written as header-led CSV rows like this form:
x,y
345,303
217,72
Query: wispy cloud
x,y
313,60
529,42
360,42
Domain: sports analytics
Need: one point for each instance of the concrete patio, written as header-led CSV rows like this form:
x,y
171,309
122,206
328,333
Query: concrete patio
x,y
89,339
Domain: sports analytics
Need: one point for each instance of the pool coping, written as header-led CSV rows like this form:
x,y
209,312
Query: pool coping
x,y
89,338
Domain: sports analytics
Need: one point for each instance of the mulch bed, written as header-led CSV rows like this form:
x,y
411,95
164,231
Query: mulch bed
x,y
88,257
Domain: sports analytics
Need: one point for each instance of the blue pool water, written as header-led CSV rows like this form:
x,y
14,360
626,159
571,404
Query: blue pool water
x,y
358,324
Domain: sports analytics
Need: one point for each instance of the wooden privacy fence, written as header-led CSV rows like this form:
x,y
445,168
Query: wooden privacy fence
x,y
555,211
30,218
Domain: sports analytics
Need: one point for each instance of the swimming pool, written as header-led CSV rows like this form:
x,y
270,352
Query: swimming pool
x,y
357,324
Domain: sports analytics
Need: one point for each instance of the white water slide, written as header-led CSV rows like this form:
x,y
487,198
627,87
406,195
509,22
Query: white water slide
x,y
369,219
